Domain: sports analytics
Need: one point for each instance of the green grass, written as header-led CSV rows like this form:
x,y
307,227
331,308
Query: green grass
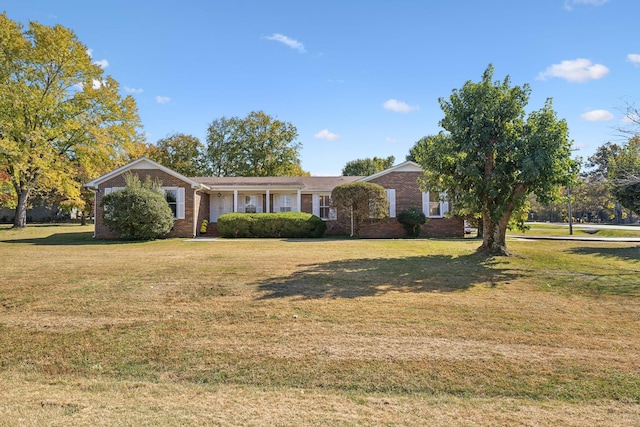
x,y
316,332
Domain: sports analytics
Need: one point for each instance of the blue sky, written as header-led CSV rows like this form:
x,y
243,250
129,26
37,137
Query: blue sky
x,y
357,78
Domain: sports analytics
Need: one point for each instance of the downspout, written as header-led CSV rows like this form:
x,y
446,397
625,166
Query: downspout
x,y
195,213
95,209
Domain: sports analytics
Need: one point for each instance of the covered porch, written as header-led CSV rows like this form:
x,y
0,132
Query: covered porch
x,y
253,200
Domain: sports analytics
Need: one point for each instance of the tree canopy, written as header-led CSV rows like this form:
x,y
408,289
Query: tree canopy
x,y
358,203
367,166
61,119
182,153
257,145
491,156
625,175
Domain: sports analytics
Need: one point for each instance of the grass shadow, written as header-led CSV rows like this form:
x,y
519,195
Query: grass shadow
x,y
624,253
64,239
377,276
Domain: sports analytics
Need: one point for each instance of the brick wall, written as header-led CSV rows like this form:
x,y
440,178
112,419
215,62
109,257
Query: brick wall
x,y
181,227
408,194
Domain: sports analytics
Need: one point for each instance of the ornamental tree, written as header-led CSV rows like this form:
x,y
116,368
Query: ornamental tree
x,y
491,155
358,203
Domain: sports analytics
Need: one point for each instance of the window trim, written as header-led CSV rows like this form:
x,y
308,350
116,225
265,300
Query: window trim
x,y
180,201
443,205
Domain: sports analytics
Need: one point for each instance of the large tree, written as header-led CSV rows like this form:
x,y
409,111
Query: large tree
x,y
182,153
492,155
257,145
367,166
59,114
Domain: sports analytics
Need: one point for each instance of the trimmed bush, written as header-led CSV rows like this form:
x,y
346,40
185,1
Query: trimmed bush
x,y
279,225
412,219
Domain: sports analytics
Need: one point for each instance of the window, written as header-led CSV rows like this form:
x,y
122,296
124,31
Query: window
x,y
391,196
285,203
434,205
175,198
171,195
325,207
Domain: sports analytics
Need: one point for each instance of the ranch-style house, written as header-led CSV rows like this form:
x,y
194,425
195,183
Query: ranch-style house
x,y
194,199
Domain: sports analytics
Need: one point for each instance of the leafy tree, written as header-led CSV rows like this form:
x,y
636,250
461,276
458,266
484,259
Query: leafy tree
x,y
257,145
139,211
358,203
625,175
593,202
412,219
182,153
492,157
367,166
7,194
59,115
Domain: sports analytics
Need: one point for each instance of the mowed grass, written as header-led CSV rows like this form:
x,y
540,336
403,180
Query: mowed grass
x,y
316,332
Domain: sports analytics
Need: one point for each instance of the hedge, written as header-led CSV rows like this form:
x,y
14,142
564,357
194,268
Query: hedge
x,y
279,225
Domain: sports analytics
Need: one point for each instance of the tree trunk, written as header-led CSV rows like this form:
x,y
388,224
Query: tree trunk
x,y
494,235
20,220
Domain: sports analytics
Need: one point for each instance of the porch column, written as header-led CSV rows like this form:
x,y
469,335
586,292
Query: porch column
x,y
235,200
299,201
267,201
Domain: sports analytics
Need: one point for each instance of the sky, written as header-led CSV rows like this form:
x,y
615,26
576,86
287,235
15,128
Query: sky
x,y
357,78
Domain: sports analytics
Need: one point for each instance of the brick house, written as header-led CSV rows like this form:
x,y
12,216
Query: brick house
x,y
194,199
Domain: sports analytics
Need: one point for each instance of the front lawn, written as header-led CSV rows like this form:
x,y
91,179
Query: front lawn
x,y
316,332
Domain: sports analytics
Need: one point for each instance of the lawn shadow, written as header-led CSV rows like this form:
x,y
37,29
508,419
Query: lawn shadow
x,y
631,253
64,239
378,276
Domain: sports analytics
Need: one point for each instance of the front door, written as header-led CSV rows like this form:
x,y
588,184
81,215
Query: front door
x,y
220,205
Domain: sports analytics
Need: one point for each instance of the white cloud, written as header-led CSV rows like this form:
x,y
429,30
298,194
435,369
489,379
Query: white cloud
x,y
162,99
90,52
597,116
578,70
293,44
325,134
634,57
568,4
128,89
391,140
97,84
103,63
399,106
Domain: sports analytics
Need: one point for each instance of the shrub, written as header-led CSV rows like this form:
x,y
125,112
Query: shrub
x,y
139,211
283,225
412,219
